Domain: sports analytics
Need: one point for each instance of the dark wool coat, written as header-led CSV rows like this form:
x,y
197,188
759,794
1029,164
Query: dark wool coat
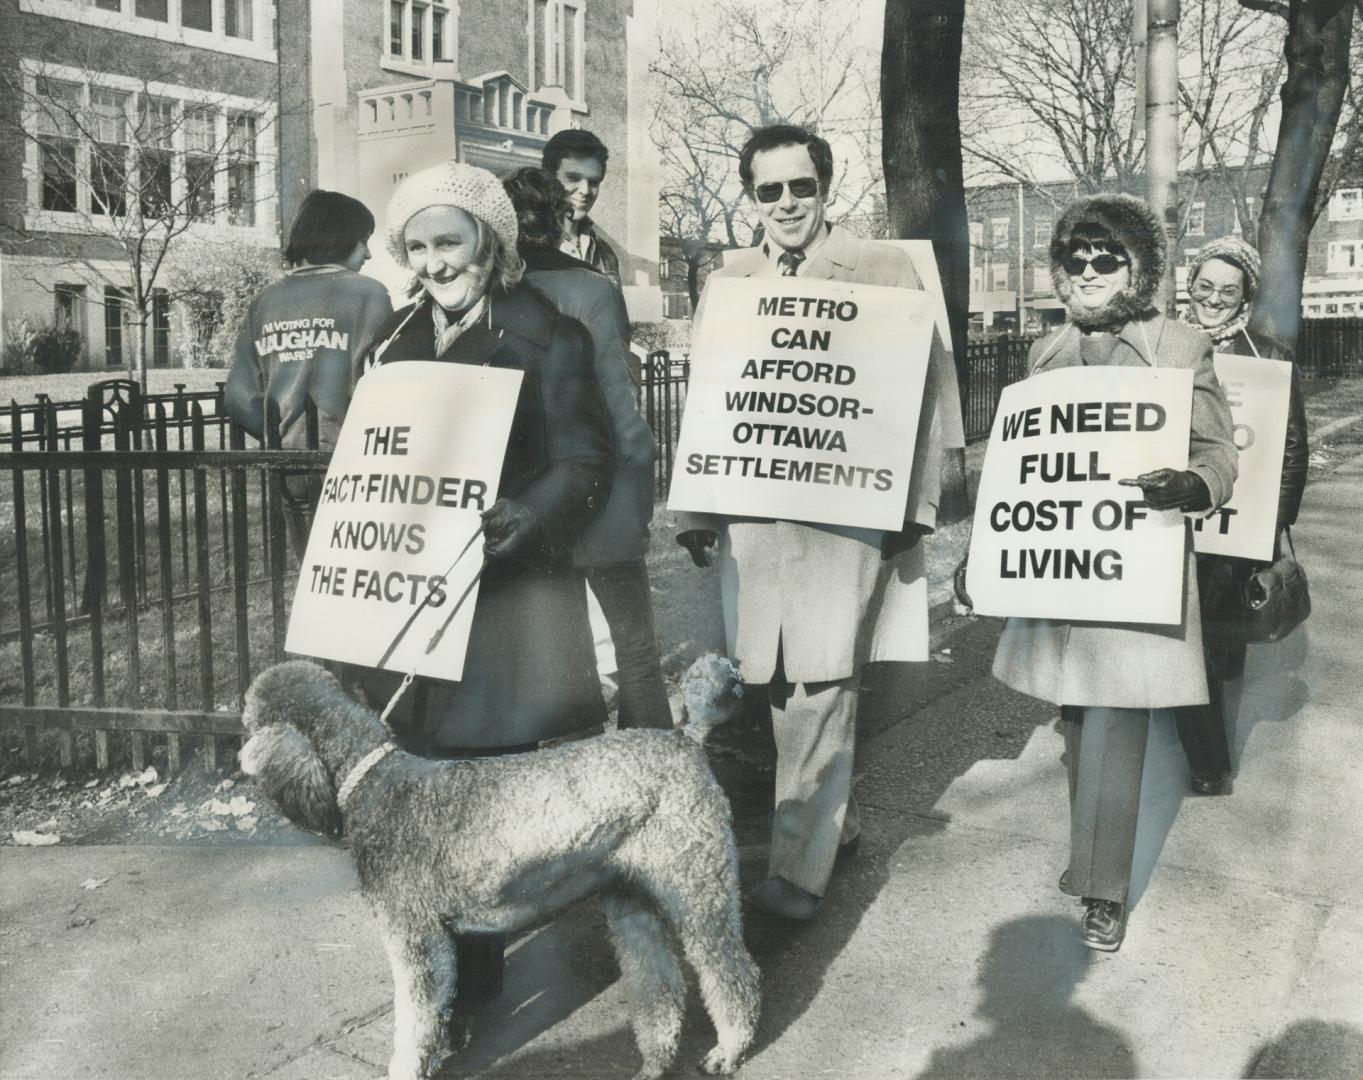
x,y
620,532
530,671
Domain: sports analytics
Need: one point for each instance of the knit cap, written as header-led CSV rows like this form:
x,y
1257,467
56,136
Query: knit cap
x,y
1235,251
451,183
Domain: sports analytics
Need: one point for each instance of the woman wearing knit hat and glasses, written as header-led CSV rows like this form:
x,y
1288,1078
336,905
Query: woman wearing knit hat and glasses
x,y
1107,258
530,669
1222,279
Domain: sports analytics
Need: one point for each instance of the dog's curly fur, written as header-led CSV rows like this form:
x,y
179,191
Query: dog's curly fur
x,y
494,844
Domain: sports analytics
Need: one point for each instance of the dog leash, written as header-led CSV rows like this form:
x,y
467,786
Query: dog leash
x,y
440,631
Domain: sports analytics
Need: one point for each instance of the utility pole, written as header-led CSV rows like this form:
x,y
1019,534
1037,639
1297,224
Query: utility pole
x,y
1161,128
1022,240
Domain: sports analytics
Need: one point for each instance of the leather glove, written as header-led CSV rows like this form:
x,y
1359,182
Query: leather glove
x,y
699,542
958,584
507,528
1172,489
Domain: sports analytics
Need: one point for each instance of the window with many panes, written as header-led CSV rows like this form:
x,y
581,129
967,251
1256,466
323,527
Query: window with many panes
x,y
66,307
58,106
108,152
419,33
115,301
228,26
201,143
156,156
1197,219
241,168
160,328
557,32
1346,204
998,230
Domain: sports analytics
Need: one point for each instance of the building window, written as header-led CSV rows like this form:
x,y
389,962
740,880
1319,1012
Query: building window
x,y
58,104
396,9
998,230
1041,237
557,30
241,169
108,152
197,14
152,9
1240,227
437,34
156,126
676,306
236,18
1345,256
1041,279
418,34
998,278
200,125
976,236
1346,204
1197,219
976,279
114,300
160,328
66,310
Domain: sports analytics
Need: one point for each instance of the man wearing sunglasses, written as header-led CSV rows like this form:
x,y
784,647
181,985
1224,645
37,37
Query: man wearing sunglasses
x,y
807,605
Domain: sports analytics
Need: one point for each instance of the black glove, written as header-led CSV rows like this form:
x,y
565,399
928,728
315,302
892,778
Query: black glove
x,y
896,543
1170,489
699,542
958,583
507,528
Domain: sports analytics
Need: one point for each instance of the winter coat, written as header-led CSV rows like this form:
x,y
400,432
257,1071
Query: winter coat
x,y
303,339
822,594
620,532
1125,665
530,671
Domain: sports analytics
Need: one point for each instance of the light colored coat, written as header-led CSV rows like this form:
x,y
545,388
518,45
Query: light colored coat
x,y
1125,665
822,592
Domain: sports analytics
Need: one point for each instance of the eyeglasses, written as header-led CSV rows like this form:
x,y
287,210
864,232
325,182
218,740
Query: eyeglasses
x,y
802,187
1106,263
1202,289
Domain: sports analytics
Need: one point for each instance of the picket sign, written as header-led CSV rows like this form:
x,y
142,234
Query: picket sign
x,y
804,401
1055,536
417,461
1258,392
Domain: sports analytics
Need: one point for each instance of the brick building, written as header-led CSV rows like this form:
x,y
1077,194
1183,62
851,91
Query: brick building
x,y
1001,252
182,96
397,85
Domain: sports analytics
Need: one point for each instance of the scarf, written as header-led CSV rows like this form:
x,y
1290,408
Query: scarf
x,y
1224,332
446,332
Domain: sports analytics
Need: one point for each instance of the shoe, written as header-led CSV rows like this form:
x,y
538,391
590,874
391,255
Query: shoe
x,y
1220,786
1064,881
1104,924
779,897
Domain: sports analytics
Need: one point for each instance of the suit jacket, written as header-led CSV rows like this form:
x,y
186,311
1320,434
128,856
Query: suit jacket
x,y
822,594
1126,665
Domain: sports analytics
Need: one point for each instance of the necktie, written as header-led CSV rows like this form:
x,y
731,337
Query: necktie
x,y
789,262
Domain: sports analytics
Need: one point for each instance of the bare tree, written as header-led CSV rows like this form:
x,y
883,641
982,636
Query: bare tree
x,y
1317,48
728,67
118,171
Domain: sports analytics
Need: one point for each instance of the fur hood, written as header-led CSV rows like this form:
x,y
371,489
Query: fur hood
x,y
1133,225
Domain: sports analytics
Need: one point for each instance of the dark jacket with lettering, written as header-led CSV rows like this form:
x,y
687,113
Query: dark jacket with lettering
x,y
530,670
303,338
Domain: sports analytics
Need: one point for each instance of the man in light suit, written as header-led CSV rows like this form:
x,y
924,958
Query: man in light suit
x,y
807,605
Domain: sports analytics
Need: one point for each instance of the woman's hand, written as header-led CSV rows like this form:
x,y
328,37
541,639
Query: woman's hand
x,y
507,528
699,542
1172,489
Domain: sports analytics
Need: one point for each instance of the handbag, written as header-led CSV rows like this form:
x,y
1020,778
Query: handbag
x,y
1267,606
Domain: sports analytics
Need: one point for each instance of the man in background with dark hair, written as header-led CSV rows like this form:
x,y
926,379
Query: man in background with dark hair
x,y
807,605
577,159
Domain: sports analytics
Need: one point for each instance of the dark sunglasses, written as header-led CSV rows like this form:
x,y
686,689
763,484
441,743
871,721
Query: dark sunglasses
x,y
802,187
1105,263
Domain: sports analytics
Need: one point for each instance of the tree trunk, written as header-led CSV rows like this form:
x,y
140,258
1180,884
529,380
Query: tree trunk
x,y
920,79
1317,49
1161,129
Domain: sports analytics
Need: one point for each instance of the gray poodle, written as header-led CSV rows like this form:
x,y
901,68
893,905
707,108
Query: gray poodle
x,y
491,845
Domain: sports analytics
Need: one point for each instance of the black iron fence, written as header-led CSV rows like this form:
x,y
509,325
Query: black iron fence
x,y
1330,347
145,571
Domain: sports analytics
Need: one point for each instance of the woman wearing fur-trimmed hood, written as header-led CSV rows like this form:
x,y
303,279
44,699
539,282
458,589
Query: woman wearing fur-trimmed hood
x,y
1107,259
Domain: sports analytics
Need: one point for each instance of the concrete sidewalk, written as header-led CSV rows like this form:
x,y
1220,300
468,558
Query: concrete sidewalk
x,y
943,950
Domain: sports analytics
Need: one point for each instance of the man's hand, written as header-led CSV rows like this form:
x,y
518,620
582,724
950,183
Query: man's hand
x,y
1172,489
507,528
700,543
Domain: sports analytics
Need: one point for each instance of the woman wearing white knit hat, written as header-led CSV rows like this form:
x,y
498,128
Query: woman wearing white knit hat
x,y
530,669
1223,276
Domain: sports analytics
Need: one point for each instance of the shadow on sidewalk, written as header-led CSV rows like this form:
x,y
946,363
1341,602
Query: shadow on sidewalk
x,y
1026,981
1310,1048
